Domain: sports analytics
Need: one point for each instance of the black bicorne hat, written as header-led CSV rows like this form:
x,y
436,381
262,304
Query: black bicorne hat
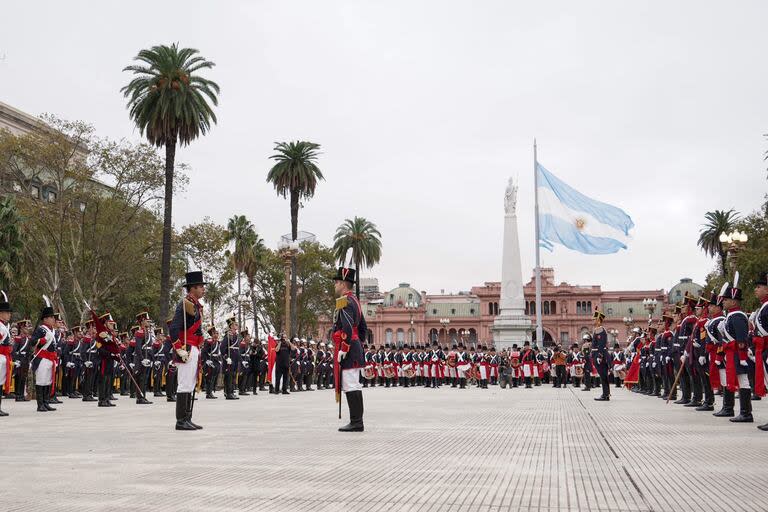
x,y
194,278
5,305
345,274
47,310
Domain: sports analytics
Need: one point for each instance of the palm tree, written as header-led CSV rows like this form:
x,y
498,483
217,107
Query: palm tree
x,y
240,232
169,103
718,222
295,174
253,262
362,236
11,243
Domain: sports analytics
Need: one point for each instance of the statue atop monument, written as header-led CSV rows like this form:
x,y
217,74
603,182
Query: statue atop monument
x,y
510,197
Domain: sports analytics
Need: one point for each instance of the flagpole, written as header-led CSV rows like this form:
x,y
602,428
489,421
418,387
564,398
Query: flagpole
x,y
539,333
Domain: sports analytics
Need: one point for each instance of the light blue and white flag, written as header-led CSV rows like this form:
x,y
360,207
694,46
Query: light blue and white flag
x,y
568,217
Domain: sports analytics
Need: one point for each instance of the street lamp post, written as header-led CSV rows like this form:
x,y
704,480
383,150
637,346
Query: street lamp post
x,y
411,306
628,322
734,242
614,334
650,306
445,322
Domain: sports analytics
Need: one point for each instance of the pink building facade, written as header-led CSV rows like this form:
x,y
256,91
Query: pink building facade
x,y
405,315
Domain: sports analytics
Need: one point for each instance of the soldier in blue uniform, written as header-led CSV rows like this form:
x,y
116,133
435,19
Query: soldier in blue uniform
x,y
142,356
230,348
760,338
211,357
22,353
600,354
349,328
735,330
186,347
44,362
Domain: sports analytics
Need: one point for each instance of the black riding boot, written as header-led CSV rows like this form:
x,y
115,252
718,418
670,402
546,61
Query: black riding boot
x,y
190,406
2,413
527,382
745,407
40,399
355,403
727,409
181,411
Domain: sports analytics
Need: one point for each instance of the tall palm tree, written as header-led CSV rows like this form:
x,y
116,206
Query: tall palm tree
x,y
295,175
170,104
718,222
362,236
241,233
254,260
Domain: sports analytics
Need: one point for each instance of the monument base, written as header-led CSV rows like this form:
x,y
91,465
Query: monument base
x,y
510,328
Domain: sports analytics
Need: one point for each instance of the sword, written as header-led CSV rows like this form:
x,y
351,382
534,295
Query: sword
x,y
677,379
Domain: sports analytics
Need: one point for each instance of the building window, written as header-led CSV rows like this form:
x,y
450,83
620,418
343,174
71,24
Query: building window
x,y
527,309
588,310
391,298
490,308
410,297
388,336
563,337
495,308
471,311
545,308
400,337
678,294
35,191
578,307
552,308
434,311
533,308
453,311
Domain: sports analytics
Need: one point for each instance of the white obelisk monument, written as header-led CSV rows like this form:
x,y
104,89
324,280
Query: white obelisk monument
x,y
512,325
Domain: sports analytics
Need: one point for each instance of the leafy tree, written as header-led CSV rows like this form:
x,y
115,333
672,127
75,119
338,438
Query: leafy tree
x,y
364,240
295,174
11,243
170,103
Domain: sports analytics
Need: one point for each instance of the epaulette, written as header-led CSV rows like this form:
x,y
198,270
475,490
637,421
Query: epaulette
x,y
189,307
341,303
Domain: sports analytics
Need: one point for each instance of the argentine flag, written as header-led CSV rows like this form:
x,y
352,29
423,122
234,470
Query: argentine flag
x,y
569,218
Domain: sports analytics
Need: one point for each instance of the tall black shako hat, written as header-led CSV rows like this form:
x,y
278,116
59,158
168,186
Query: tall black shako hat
x,y
345,274
47,310
5,305
194,278
762,279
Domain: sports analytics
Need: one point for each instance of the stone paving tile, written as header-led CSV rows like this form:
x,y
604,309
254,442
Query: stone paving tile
x,y
424,450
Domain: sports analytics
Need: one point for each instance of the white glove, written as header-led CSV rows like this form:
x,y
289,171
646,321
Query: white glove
x,y
132,365
17,363
743,363
146,363
341,356
667,359
718,363
229,360
245,364
183,354
88,364
157,364
654,364
70,365
702,360
209,363
682,358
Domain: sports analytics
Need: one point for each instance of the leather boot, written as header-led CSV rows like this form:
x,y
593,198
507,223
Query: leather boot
x,y
355,403
140,400
2,413
745,407
181,411
190,404
463,383
40,400
764,428
727,409
46,395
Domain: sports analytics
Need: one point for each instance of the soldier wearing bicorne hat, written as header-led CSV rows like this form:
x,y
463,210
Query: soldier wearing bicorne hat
x,y
6,347
349,328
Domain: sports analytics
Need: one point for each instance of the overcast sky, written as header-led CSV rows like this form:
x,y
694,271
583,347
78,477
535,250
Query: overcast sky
x,y
424,109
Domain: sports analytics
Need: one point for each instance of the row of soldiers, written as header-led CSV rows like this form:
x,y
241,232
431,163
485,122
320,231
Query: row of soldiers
x,y
709,346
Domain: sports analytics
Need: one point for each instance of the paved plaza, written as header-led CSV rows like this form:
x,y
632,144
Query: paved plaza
x,y
423,450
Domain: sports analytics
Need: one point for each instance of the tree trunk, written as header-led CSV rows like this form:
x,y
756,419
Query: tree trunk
x,y
724,262
239,304
165,264
357,277
294,266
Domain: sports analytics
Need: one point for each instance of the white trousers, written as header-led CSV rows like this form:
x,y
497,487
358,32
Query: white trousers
x,y
43,374
462,370
350,380
3,374
723,378
186,373
483,373
744,381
